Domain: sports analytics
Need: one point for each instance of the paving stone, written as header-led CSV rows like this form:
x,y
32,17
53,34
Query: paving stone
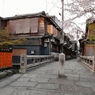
x,y
68,94
43,80
4,83
19,88
77,89
61,81
15,76
85,84
49,71
83,71
9,80
24,84
6,91
21,92
29,75
54,93
38,93
83,94
48,86
87,78
55,72
45,92
38,72
72,77
70,72
45,89
24,79
94,90
48,76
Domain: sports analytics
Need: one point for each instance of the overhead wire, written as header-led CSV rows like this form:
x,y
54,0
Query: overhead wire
x,y
54,5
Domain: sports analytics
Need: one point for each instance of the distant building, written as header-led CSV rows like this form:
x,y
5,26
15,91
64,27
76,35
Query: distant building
x,y
70,48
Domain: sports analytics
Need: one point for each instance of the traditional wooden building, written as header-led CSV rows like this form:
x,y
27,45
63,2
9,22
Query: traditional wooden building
x,y
70,48
87,44
41,31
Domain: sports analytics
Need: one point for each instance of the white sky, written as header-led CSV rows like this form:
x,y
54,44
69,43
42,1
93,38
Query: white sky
x,y
16,7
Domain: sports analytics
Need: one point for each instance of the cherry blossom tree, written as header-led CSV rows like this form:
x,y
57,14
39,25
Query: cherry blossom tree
x,y
76,9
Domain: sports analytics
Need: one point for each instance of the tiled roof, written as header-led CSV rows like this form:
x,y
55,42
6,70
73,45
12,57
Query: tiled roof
x,y
25,16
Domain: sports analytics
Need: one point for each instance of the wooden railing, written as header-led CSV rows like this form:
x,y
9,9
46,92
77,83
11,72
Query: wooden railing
x,y
34,60
88,61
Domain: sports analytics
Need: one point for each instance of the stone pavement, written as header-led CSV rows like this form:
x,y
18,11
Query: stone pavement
x,y
44,81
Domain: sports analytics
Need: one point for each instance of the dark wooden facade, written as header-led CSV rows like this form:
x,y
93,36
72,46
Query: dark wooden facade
x,y
41,31
87,44
70,48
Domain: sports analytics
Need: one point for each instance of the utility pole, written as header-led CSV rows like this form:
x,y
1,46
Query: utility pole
x,y
62,55
62,16
62,33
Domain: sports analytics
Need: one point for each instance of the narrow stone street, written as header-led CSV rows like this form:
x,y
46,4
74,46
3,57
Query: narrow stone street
x,y
44,81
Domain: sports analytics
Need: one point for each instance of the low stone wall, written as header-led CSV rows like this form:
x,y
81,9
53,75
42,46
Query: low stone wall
x,y
35,61
89,62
